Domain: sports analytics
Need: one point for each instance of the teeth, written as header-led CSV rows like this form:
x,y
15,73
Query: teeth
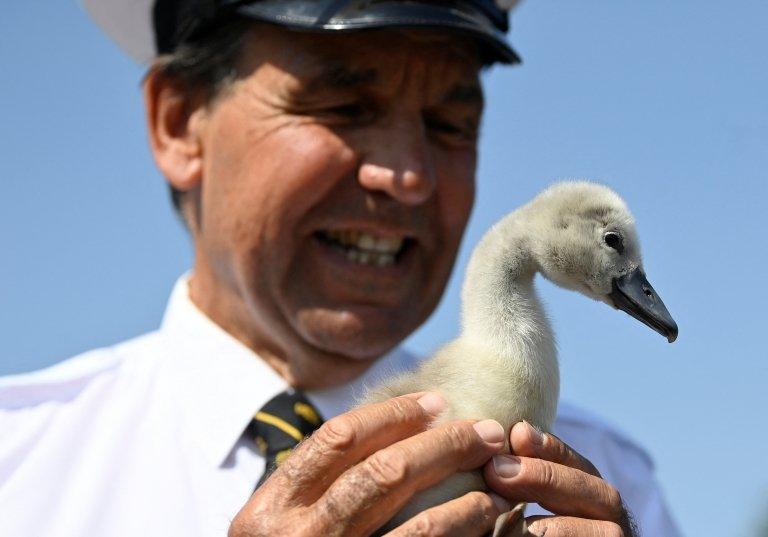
x,y
383,260
365,248
388,245
370,258
367,242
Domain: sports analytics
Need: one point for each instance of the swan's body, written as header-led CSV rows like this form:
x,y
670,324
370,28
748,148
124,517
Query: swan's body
x,y
504,364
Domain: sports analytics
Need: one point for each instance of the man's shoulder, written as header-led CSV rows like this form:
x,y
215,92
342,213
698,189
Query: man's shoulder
x,y
67,380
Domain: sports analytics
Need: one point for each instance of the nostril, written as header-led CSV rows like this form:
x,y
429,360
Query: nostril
x,y
413,180
413,186
647,292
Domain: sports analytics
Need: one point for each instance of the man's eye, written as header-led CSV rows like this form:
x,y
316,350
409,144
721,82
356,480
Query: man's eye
x,y
442,126
348,111
439,125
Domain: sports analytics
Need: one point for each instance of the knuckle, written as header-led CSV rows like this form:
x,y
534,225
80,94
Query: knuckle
x,y
337,434
545,474
404,409
478,502
481,508
387,469
293,470
424,525
459,436
290,468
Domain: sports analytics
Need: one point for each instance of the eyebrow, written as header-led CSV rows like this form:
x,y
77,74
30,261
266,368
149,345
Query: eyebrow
x,y
342,77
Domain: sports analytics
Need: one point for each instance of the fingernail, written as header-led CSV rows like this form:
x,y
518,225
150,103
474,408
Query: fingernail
x,y
537,437
432,403
490,431
506,466
501,504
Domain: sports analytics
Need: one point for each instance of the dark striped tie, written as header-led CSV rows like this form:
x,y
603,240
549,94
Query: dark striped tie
x,y
287,419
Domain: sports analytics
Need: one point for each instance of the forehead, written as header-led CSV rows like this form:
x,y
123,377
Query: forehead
x,y
441,62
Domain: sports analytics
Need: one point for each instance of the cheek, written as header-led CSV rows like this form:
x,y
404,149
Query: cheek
x,y
315,162
456,191
263,185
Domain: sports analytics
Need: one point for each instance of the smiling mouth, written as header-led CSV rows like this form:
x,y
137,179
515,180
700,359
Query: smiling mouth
x,y
366,248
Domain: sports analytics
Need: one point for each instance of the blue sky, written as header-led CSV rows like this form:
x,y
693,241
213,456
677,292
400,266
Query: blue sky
x,y
664,101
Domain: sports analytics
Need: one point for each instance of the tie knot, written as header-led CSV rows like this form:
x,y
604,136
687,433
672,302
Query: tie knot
x,y
283,422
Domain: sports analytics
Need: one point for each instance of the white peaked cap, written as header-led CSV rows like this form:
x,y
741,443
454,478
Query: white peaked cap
x,y
128,23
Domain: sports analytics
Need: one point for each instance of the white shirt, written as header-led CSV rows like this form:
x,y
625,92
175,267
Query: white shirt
x,y
145,438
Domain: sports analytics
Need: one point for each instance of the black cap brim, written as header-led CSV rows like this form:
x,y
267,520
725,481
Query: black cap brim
x,y
134,25
315,15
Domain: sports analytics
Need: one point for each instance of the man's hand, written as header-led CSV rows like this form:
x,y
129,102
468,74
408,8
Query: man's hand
x,y
360,468
546,471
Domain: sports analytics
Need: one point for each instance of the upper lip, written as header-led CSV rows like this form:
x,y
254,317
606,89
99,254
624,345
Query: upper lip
x,y
380,229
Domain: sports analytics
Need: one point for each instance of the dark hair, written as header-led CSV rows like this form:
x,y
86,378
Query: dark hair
x,y
205,66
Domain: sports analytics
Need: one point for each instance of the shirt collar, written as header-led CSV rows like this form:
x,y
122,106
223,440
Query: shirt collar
x,y
219,384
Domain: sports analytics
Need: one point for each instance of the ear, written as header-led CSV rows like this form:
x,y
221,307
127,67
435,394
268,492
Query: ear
x,y
174,120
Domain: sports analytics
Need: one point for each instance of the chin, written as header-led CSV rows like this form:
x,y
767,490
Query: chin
x,y
353,335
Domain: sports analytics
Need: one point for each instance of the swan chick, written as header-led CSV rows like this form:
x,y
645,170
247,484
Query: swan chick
x,y
503,366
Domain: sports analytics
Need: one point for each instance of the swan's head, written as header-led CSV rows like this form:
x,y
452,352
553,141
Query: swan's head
x,y
586,241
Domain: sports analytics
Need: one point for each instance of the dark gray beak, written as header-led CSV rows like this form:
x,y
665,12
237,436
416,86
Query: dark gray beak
x,y
633,294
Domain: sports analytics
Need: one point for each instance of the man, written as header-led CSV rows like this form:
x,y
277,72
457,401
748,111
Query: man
x,y
322,154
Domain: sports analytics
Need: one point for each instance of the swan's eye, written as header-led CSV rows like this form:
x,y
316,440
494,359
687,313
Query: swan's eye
x,y
614,240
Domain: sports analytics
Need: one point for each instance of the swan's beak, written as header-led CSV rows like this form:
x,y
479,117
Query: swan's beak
x,y
633,294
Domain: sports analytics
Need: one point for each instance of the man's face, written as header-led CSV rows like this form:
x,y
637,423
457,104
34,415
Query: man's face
x,y
338,175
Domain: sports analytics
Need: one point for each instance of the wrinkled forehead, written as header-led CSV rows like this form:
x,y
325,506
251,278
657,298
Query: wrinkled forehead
x,y
442,63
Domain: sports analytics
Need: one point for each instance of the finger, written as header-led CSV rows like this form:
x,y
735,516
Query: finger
x,y
372,492
557,488
527,441
346,440
472,514
561,526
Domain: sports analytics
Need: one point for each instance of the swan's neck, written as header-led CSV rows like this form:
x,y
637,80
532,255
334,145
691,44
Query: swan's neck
x,y
501,311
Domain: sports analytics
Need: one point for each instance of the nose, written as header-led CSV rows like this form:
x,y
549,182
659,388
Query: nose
x,y
399,163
